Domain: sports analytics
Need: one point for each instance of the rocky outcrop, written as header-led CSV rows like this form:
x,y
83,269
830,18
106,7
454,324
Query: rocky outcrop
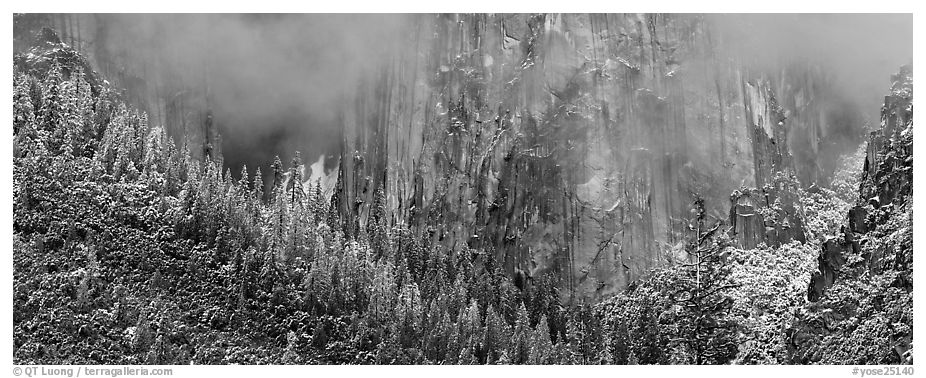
x,y
861,297
766,214
885,189
887,177
46,49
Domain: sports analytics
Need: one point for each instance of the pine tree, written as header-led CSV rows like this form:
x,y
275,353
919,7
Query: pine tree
x,y
541,349
23,112
277,169
471,327
71,120
320,209
376,225
519,349
24,122
77,131
50,113
410,315
154,154
315,283
109,147
382,294
103,109
140,129
258,189
297,210
496,336
243,183
706,330
242,203
295,182
85,102
172,169
278,208
231,197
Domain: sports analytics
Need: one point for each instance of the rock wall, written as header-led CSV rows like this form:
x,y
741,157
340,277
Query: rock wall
x,y
885,192
569,144
566,144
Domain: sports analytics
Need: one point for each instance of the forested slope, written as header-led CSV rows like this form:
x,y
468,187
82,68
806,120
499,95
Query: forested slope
x,y
127,250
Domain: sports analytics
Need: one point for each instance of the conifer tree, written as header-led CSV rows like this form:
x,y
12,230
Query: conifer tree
x,y
297,210
278,209
541,350
295,182
277,169
471,327
376,225
410,313
23,112
140,129
49,117
24,122
519,349
382,294
496,336
320,208
71,120
172,166
258,189
154,154
244,184
88,136
706,331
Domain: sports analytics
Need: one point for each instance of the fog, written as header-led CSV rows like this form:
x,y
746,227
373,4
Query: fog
x,y
860,51
276,80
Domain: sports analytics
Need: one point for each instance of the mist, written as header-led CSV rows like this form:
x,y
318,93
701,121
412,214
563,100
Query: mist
x,y
275,80
859,51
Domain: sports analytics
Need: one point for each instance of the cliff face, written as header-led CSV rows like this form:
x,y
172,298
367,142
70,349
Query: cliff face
x,y
574,144
885,192
862,293
566,144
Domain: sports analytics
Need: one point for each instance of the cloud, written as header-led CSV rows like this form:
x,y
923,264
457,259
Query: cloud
x,y
275,79
860,51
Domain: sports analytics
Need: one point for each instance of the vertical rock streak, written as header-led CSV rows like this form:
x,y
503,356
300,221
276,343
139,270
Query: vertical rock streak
x,y
569,144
